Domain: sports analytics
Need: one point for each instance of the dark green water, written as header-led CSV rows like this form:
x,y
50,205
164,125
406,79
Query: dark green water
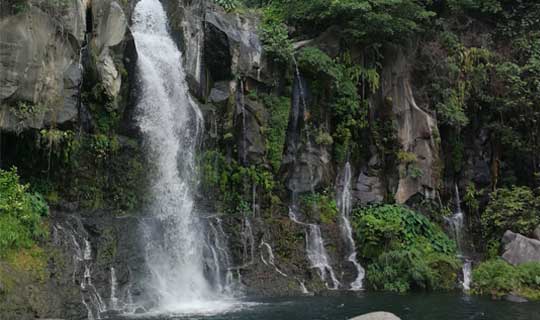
x,y
431,306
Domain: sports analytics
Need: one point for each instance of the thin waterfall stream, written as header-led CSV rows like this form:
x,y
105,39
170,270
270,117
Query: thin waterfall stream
x,y
345,207
457,227
315,250
180,279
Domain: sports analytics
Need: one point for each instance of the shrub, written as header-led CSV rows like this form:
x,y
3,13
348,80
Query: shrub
x,y
497,278
403,270
275,37
20,213
393,227
515,209
322,205
406,249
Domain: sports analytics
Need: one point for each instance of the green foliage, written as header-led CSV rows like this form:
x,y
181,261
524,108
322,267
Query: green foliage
x,y
393,227
516,209
323,138
498,278
228,5
21,213
403,270
340,79
233,183
314,61
275,37
320,206
406,249
365,21
278,108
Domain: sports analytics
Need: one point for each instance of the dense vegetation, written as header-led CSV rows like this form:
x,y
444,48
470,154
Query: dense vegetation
x,y
404,250
497,278
21,214
476,68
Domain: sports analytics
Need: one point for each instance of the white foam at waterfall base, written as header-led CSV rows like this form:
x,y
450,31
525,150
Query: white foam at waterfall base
x,y
171,124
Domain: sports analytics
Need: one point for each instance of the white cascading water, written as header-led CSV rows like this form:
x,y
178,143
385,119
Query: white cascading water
x,y
315,250
171,124
271,259
345,207
114,289
456,223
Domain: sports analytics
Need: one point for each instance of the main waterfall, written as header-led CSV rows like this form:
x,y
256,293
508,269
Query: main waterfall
x,y
171,123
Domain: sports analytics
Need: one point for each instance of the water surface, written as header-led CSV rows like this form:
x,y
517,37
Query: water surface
x,y
432,306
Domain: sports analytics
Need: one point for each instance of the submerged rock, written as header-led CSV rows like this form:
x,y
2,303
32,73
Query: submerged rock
x,y
515,298
381,315
519,249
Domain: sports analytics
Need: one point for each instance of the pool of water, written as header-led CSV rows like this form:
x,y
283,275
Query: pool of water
x,y
432,306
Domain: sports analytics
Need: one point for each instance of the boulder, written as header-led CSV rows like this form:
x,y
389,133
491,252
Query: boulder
x,y
381,315
519,249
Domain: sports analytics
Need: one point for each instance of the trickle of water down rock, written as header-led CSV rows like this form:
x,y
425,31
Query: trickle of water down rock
x,y
457,227
171,124
345,206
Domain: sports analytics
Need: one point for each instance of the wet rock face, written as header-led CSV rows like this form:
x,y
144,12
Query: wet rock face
x,y
368,189
251,117
109,31
41,72
417,131
40,68
519,249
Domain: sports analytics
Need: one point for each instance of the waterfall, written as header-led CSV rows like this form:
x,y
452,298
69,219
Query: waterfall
x,y
114,289
456,224
344,205
315,250
271,261
71,234
171,123
241,101
467,274
248,243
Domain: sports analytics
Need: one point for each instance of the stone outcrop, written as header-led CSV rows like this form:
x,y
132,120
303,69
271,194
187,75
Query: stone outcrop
x,y
381,315
41,63
519,249
39,67
110,30
417,131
